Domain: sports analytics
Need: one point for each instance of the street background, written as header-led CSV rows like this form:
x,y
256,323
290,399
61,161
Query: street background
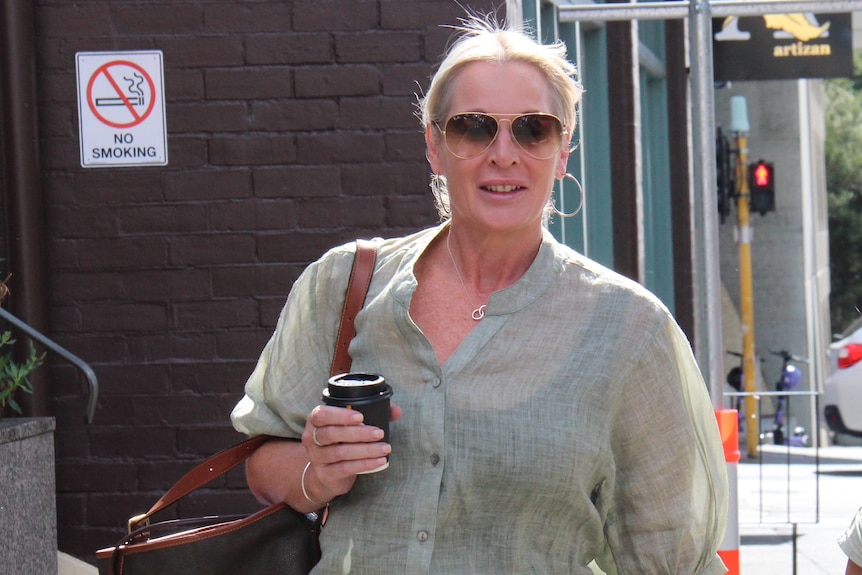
x,y
789,485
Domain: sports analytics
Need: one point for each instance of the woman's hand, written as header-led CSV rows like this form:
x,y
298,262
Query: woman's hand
x,y
274,471
339,448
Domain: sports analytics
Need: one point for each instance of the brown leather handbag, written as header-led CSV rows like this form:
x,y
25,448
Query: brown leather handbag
x,y
274,540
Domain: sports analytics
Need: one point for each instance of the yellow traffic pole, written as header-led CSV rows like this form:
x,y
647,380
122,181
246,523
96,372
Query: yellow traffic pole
x,y
746,287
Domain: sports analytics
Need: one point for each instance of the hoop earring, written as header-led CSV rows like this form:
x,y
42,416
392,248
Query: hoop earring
x,y
580,193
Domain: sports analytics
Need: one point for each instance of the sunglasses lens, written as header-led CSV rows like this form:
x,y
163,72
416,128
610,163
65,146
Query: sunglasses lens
x,y
539,135
468,135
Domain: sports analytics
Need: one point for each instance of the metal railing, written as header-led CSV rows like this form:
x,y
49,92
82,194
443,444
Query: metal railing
x,y
88,372
793,451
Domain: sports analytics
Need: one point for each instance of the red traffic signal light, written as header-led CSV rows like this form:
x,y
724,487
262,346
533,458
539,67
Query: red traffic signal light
x,y
762,175
761,186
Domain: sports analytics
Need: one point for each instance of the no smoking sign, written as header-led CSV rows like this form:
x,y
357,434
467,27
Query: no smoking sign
x,y
121,109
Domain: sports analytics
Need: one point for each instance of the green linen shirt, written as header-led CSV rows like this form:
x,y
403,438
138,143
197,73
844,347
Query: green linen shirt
x,y
571,425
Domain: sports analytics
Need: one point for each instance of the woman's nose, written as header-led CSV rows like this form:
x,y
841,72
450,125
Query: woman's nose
x,y
504,149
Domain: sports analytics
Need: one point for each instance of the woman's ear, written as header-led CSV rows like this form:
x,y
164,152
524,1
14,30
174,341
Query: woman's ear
x,y
432,146
562,163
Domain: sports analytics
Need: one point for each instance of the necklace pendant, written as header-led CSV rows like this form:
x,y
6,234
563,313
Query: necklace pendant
x,y
479,313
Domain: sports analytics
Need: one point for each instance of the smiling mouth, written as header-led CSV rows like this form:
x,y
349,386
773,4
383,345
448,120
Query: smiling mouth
x,y
502,189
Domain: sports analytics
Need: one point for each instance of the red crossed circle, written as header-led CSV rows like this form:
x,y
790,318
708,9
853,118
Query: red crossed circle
x,y
136,118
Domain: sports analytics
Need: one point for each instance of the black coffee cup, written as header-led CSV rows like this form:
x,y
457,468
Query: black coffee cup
x,y
368,394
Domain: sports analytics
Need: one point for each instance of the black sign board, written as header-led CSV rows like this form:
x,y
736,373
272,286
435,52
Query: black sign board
x,y
783,46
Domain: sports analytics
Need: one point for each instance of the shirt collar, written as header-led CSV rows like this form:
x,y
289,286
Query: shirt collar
x,y
539,277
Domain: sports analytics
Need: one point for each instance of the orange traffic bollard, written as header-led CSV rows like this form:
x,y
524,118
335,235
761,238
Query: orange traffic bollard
x,y
728,427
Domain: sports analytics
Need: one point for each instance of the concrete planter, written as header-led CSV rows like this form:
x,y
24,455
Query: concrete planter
x,y
28,507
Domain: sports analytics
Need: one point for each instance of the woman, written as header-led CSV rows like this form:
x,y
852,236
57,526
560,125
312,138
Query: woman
x,y
550,411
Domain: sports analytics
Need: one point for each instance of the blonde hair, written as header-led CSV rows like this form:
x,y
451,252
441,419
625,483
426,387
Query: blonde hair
x,y
482,39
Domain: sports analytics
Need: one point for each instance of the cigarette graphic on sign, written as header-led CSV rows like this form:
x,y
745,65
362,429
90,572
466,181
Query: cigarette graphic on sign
x,y
134,83
119,101
134,87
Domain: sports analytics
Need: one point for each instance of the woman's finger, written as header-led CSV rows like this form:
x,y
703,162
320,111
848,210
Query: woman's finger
x,y
324,415
334,434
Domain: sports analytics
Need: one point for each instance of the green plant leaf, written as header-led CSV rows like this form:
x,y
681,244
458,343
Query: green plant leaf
x,y
14,376
15,407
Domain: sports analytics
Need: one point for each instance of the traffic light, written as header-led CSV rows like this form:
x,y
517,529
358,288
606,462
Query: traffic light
x,y
761,186
725,184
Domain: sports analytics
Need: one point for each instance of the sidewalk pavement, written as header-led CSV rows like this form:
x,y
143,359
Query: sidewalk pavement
x,y
788,486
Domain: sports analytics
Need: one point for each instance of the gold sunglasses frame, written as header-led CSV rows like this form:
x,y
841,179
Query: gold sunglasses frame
x,y
499,118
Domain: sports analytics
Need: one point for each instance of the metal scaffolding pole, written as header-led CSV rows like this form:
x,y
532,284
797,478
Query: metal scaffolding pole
x,y
703,142
675,10
708,337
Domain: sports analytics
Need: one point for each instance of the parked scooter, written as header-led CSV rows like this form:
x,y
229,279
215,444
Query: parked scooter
x,y
789,380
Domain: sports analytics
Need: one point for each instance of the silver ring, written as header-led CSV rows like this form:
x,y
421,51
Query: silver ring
x,y
314,438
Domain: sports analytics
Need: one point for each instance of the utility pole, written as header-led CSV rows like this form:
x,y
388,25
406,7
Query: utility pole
x,y
739,125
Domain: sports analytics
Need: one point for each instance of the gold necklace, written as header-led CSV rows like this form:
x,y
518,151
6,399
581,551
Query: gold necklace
x,y
479,312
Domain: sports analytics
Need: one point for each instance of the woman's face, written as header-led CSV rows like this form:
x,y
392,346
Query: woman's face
x,y
503,189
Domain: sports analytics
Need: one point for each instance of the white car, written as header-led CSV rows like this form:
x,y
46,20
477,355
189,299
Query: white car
x,y
842,396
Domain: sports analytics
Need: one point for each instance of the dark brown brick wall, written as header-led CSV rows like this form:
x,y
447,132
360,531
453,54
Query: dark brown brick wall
x,y
290,129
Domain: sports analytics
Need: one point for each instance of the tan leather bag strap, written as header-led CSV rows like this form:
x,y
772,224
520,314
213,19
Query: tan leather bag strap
x,y
224,461
357,288
200,475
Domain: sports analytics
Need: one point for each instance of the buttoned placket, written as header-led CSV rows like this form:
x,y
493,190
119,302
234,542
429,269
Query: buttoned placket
x,y
431,415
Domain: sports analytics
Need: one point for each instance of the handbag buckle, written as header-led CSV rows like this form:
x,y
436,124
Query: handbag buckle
x,y
138,521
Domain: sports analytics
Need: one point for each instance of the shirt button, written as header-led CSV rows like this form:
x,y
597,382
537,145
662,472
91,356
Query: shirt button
x,y
422,536
436,382
435,459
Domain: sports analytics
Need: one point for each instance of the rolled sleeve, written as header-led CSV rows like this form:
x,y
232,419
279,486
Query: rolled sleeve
x,y
669,508
293,367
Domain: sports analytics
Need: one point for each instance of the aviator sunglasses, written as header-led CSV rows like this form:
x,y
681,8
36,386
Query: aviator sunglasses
x,y
469,134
